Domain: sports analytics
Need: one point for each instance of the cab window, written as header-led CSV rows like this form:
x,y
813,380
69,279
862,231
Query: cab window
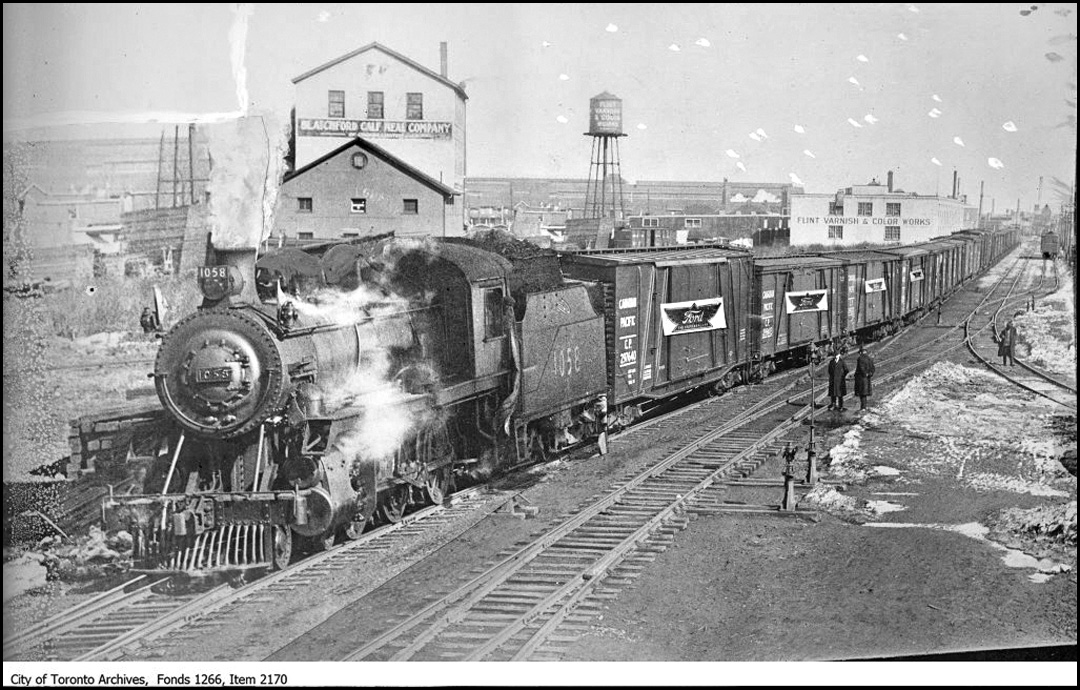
x,y
494,323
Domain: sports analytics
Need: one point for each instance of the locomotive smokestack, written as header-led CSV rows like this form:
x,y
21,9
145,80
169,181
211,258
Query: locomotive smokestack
x,y
890,180
442,59
244,259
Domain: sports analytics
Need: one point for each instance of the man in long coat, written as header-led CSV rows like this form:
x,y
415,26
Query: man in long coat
x,y
864,372
1006,345
838,371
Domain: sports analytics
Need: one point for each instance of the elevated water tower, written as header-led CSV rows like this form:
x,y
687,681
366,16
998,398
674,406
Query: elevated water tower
x,y
604,194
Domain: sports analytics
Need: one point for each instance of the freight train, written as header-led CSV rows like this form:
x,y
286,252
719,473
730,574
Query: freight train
x,y
318,391
1050,245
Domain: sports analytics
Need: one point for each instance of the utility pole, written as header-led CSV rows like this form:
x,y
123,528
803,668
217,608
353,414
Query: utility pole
x,y
191,161
981,185
175,155
160,162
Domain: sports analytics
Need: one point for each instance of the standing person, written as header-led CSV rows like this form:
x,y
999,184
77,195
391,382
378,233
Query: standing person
x,y
1006,345
149,321
838,371
864,372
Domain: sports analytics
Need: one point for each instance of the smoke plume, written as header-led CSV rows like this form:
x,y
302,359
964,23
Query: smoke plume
x,y
248,162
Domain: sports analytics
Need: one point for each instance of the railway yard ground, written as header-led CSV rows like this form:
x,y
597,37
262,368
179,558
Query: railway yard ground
x,y
945,521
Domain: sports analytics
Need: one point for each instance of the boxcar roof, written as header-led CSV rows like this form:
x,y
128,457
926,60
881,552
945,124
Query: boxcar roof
x,y
861,255
796,261
915,250
661,256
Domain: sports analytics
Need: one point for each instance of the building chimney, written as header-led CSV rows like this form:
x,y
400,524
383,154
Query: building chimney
x,y
954,184
890,180
442,59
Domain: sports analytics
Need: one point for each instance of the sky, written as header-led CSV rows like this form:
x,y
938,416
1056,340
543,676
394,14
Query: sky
x,y
825,95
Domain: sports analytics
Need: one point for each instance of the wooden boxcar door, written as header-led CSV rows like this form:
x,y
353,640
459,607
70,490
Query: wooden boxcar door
x,y
689,353
807,326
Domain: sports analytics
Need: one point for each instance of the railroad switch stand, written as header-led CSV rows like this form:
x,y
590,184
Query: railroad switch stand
x,y
788,503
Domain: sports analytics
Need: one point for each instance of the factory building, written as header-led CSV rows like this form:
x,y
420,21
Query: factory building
x,y
877,214
413,117
360,189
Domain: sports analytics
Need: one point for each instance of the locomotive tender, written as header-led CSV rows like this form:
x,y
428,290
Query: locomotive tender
x,y
310,396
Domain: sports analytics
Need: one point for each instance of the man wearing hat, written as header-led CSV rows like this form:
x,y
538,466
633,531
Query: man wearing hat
x,y
864,372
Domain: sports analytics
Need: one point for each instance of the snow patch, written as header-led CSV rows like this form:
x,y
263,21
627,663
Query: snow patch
x,y
882,507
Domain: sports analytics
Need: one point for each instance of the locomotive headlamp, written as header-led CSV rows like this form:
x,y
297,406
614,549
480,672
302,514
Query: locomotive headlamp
x,y
218,282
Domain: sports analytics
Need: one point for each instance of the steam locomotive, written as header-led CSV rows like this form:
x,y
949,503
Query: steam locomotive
x,y
316,392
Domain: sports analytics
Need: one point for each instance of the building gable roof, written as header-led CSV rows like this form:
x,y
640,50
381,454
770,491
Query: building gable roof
x,y
383,155
392,53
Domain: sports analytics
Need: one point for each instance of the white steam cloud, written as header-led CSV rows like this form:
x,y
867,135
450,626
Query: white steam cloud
x,y
237,48
249,161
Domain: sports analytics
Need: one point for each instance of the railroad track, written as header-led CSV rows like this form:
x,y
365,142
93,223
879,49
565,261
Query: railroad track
x,y
463,508
142,610
981,340
76,633
534,598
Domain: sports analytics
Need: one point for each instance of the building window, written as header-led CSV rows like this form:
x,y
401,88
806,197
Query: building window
x,y
337,104
836,208
892,233
692,223
650,222
414,106
375,105
306,235
304,204
359,206
892,209
493,313
411,207
866,208
836,232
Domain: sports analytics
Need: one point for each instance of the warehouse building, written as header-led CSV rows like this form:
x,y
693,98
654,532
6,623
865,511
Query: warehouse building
x,y
359,189
412,117
876,214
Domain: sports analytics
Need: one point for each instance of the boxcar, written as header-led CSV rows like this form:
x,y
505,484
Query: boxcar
x,y
797,300
978,249
675,317
1050,245
870,298
969,257
914,272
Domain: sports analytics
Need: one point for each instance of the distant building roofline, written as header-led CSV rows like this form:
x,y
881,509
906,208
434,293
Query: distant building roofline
x,y
375,45
384,155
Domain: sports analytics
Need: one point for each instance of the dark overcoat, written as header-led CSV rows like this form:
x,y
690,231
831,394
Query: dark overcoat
x,y
1007,341
864,372
838,371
